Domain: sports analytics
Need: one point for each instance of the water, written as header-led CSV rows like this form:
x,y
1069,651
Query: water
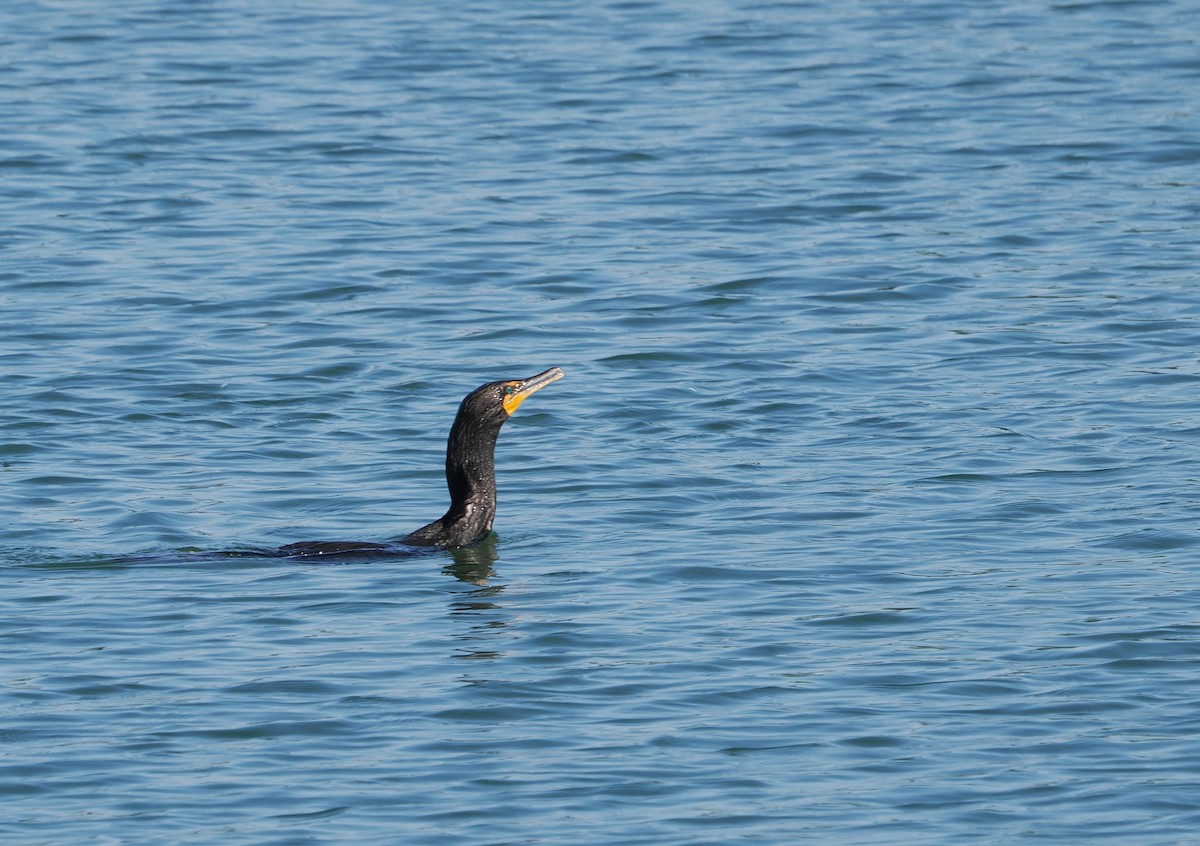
x,y
865,514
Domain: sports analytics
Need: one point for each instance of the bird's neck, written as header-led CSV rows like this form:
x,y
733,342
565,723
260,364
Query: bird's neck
x,y
471,478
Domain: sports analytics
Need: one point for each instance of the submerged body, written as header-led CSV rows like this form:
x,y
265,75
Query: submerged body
x,y
470,476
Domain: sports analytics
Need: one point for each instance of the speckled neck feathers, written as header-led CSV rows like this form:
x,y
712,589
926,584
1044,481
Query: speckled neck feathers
x,y
471,477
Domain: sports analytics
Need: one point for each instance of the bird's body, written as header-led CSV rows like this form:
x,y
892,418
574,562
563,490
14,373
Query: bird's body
x,y
470,476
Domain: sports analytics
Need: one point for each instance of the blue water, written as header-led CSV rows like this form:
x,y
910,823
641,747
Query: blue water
x,y
866,513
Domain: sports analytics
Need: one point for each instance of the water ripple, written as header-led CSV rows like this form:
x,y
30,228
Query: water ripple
x,y
864,512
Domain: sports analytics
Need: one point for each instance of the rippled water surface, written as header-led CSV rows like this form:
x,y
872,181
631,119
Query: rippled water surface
x,y
867,512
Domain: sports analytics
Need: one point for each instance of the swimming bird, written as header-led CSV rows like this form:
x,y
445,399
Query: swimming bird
x,y
470,475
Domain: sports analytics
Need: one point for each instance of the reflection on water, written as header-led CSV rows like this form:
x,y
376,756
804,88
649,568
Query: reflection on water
x,y
474,564
479,607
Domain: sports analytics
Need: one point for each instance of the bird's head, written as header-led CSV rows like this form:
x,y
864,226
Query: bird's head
x,y
496,401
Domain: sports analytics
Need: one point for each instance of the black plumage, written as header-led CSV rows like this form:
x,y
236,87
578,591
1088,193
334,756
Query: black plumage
x,y
470,476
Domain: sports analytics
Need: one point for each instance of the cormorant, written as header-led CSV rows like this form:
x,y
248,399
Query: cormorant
x,y
470,475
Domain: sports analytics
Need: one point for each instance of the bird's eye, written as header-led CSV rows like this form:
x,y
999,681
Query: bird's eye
x,y
508,389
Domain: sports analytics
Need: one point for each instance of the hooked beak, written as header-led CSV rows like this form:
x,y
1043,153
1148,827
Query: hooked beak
x,y
529,386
